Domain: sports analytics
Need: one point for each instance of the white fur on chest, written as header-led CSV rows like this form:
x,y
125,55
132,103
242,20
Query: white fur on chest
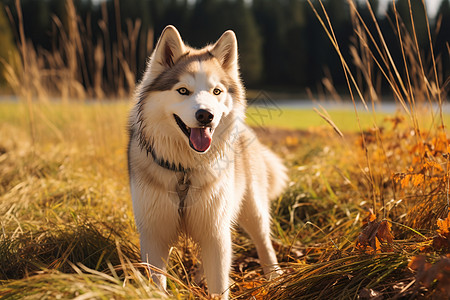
x,y
213,199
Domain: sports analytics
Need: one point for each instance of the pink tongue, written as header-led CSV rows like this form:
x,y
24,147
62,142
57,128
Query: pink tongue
x,y
200,138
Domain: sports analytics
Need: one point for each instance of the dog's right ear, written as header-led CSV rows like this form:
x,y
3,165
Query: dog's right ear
x,y
225,50
168,50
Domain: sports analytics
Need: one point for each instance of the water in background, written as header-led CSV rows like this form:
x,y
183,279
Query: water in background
x,y
303,104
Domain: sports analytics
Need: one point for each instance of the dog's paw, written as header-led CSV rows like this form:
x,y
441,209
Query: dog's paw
x,y
273,273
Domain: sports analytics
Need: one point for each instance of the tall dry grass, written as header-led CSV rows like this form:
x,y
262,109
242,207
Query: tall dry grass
x,y
417,88
80,66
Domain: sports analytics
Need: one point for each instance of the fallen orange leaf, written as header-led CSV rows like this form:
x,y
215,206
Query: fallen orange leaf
x,y
384,233
444,225
428,273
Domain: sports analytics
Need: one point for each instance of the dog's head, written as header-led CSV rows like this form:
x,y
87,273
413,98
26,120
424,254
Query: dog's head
x,y
192,91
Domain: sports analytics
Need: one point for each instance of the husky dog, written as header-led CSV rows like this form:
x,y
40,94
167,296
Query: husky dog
x,y
195,167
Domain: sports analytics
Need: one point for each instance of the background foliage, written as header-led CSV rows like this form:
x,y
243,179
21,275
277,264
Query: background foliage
x,y
281,42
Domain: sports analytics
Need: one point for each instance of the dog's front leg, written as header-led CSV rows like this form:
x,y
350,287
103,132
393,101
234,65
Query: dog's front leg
x,y
216,253
155,252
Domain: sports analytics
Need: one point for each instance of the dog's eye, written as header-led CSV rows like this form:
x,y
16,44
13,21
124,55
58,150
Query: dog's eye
x,y
183,91
217,91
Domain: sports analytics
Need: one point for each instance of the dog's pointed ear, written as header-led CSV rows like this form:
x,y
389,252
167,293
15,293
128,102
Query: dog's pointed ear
x,y
169,49
226,51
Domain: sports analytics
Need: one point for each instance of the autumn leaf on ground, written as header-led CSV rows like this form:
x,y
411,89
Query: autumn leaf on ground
x,y
368,237
255,288
384,232
428,273
441,242
369,218
374,233
444,225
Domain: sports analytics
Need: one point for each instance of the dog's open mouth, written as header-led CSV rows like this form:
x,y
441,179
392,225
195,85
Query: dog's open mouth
x,y
199,138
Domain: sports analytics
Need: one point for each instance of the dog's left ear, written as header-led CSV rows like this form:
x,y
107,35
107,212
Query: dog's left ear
x,y
225,51
168,50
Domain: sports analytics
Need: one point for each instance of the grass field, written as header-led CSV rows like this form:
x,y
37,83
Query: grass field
x,y
68,228
344,119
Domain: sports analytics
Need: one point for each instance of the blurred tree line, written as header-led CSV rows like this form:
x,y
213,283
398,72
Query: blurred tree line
x,y
282,44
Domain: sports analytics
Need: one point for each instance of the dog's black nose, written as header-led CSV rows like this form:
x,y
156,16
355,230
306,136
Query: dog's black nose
x,y
203,116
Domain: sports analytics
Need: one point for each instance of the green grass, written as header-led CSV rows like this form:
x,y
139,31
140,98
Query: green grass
x,y
305,119
345,120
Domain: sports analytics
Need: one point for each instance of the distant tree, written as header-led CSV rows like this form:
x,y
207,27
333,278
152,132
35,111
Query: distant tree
x,y
271,20
375,4
442,44
364,11
317,47
58,7
296,43
417,11
338,10
210,18
8,49
419,16
37,22
391,34
177,13
240,19
281,43
205,22
322,55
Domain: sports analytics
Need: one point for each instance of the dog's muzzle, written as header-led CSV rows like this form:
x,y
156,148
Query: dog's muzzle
x,y
200,138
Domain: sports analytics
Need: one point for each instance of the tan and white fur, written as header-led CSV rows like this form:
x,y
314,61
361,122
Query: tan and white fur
x,y
187,129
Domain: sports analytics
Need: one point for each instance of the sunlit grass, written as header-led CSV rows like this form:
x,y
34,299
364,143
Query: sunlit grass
x,y
305,118
345,119
64,198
